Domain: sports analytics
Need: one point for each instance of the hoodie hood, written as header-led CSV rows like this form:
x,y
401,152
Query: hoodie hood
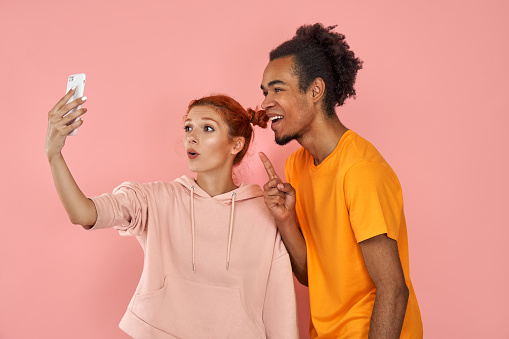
x,y
242,193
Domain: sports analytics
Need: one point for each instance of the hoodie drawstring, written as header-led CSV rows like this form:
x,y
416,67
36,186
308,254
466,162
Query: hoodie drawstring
x,y
230,231
192,223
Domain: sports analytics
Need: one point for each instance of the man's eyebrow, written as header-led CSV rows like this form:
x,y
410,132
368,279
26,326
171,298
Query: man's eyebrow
x,y
274,82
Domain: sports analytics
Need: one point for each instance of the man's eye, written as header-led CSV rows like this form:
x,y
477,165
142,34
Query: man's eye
x,y
277,90
265,93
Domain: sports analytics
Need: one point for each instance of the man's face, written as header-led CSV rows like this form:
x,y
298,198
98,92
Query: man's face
x,y
288,108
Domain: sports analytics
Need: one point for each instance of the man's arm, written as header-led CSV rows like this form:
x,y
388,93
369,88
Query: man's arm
x,y
381,258
280,200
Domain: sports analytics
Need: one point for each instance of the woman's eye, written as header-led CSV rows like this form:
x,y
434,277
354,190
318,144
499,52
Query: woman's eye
x,y
208,129
187,128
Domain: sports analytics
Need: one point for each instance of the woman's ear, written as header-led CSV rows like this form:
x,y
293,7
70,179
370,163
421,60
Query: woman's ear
x,y
238,144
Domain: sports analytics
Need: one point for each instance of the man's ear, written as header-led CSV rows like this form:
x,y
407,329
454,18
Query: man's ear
x,y
238,144
317,89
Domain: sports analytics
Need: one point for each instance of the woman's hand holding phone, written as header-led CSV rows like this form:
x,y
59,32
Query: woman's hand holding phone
x,y
60,122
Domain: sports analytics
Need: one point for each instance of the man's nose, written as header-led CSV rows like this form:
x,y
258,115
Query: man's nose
x,y
267,102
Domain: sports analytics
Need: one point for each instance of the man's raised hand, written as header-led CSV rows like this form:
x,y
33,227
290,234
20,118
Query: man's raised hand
x,y
279,196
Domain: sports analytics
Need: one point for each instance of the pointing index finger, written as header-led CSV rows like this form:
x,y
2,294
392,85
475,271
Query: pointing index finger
x,y
268,166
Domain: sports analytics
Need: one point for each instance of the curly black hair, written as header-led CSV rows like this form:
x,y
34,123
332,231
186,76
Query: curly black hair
x,y
320,53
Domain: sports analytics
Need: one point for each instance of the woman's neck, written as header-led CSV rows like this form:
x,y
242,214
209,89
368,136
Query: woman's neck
x,y
215,184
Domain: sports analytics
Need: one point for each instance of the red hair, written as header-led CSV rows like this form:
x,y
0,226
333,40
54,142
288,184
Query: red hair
x,y
237,118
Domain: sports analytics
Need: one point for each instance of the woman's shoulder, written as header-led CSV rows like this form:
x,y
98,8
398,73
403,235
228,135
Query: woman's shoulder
x,y
154,188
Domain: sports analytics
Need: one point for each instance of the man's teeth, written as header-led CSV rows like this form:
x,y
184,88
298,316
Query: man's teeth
x,y
275,118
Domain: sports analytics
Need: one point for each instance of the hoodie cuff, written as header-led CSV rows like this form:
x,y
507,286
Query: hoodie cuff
x,y
104,216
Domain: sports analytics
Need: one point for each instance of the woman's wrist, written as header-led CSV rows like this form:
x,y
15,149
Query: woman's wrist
x,y
53,156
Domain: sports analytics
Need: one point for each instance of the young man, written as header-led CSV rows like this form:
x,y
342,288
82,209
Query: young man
x,y
341,212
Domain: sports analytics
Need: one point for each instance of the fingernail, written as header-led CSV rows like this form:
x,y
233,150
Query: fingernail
x,y
74,87
84,98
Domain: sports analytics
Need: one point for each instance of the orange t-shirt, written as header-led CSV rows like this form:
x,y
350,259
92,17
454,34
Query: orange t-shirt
x,y
351,196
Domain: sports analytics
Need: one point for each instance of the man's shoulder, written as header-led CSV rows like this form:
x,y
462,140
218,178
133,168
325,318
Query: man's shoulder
x,y
363,159
298,155
358,149
351,149
294,165
297,160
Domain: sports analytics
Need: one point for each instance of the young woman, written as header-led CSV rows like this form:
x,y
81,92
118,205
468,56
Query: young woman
x,y
215,265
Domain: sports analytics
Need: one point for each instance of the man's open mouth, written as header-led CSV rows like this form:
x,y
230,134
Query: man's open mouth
x,y
276,118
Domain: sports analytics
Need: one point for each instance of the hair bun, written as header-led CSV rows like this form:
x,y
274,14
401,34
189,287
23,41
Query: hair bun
x,y
257,118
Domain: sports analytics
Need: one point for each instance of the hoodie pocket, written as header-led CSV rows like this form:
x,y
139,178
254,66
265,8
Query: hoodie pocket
x,y
188,309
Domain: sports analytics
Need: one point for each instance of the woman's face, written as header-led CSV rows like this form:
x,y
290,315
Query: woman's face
x,y
208,146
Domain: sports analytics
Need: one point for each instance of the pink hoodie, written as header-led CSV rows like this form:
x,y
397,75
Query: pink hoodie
x,y
215,267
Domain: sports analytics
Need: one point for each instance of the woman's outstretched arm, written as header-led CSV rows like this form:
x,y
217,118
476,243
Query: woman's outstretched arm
x,y
79,208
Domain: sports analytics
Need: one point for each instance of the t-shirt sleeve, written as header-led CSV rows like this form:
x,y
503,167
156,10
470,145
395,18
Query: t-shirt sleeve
x,y
125,209
374,200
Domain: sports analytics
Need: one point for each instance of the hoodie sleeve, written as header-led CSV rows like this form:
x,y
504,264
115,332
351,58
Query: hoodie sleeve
x,y
125,209
280,310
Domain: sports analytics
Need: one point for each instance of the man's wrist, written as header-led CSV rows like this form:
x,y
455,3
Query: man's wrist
x,y
289,224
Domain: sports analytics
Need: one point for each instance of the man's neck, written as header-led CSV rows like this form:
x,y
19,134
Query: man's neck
x,y
322,138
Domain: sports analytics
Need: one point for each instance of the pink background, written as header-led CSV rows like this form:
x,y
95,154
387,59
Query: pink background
x,y
432,97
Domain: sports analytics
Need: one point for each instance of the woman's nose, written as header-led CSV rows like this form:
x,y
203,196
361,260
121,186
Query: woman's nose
x,y
191,138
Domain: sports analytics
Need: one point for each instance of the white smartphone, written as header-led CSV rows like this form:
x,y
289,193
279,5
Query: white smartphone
x,y
77,80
